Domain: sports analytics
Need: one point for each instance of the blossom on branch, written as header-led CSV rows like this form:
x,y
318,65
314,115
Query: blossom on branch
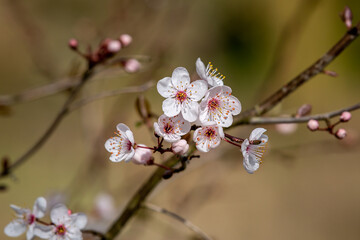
x,y
253,149
66,226
209,74
208,136
181,95
171,128
122,146
219,106
26,219
143,155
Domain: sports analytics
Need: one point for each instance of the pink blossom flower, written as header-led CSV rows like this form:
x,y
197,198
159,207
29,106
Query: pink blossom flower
x,y
171,128
253,149
219,106
208,136
181,95
26,219
122,146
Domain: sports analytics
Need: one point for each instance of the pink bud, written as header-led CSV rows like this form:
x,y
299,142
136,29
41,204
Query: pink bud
x,y
142,155
69,212
341,133
346,16
113,46
313,125
304,110
125,40
73,43
180,147
345,116
132,65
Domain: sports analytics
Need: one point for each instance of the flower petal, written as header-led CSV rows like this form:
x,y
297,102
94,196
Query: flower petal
x,y
165,87
190,110
129,155
244,147
19,210
39,208
59,214
111,143
250,164
15,228
180,78
171,107
200,69
79,220
124,129
197,90
256,133
44,232
30,232
182,126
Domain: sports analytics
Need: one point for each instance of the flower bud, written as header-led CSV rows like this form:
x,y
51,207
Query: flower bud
x,y
132,65
142,155
113,46
313,125
346,16
73,44
125,40
341,133
304,110
180,147
345,116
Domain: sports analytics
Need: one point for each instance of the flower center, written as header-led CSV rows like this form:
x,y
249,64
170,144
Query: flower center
x,y
209,133
181,96
168,128
128,145
60,230
213,104
31,219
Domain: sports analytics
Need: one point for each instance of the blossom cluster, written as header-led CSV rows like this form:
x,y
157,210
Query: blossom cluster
x,y
64,224
205,105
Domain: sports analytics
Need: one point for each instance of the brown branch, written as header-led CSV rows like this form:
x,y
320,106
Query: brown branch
x,y
65,109
324,116
94,233
302,78
175,216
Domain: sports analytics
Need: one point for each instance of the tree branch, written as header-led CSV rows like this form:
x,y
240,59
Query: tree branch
x,y
175,216
324,116
302,78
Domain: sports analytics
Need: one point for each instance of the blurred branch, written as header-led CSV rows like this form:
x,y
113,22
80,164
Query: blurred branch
x,y
94,233
324,116
175,216
133,89
65,109
302,78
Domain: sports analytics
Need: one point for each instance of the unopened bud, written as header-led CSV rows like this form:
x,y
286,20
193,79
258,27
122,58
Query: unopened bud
x,y
142,155
132,65
73,43
304,110
345,116
341,133
313,125
125,40
113,46
346,16
167,174
180,147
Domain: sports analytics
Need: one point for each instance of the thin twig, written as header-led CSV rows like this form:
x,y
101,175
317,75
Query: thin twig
x,y
133,89
303,77
324,116
175,216
65,109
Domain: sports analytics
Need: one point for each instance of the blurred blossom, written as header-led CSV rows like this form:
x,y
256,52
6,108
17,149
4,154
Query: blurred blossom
x,y
113,46
286,128
345,116
73,43
313,125
132,65
105,206
125,40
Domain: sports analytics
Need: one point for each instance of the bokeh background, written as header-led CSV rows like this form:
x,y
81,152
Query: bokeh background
x,y
307,187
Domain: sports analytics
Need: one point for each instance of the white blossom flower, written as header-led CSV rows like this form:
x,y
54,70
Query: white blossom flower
x,y
219,106
211,75
171,128
208,136
181,95
253,149
26,219
66,226
122,146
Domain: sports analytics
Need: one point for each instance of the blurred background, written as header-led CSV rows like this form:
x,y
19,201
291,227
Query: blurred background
x,y
305,189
